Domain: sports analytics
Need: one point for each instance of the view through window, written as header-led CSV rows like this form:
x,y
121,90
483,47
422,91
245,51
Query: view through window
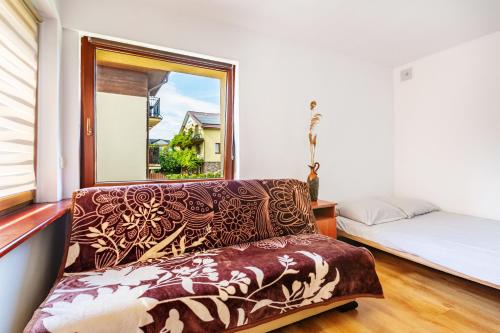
x,y
157,120
184,141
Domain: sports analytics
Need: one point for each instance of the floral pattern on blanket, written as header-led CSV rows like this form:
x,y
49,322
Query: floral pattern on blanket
x,y
210,291
123,224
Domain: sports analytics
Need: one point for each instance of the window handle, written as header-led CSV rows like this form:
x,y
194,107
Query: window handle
x,y
89,127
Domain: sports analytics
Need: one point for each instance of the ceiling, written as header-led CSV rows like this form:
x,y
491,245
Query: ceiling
x,y
389,32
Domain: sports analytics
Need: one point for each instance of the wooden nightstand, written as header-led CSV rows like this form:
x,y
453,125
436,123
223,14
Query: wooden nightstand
x,y
324,212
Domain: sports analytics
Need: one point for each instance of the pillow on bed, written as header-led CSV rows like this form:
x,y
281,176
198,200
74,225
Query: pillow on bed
x,y
411,207
370,211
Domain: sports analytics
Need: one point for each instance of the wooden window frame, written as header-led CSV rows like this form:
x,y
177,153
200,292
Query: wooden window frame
x,y
89,46
12,203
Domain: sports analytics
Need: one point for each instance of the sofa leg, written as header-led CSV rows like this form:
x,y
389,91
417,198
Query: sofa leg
x,y
347,307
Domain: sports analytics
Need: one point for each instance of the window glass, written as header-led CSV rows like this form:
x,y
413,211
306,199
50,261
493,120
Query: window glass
x,y
157,120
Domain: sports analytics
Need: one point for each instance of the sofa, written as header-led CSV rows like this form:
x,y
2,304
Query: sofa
x,y
199,257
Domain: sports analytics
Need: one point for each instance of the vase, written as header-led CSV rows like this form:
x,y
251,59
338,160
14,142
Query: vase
x,y
313,181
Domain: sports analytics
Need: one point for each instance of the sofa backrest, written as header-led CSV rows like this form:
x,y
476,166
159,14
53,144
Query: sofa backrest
x,y
124,224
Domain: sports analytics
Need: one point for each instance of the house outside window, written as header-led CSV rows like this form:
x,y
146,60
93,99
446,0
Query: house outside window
x,y
206,129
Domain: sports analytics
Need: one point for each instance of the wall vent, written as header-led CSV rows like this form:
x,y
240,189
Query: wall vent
x,y
406,74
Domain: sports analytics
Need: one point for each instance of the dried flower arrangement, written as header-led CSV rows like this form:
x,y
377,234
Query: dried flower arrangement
x,y
313,179
315,118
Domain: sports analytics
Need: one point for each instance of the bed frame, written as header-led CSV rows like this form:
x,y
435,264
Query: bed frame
x,y
267,326
414,258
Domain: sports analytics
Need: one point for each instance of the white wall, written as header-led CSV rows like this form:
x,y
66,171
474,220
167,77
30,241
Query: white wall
x,y
48,175
26,275
70,92
277,79
447,128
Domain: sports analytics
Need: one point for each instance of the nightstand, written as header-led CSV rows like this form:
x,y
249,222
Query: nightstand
x,y
324,212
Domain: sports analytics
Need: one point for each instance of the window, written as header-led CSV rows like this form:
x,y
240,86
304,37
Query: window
x,y
18,84
152,116
217,148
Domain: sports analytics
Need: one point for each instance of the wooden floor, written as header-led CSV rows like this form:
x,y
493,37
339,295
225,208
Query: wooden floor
x,y
417,299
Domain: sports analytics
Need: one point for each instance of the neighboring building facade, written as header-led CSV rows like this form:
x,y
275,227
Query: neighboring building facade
x,y
206,129
125,105
155,146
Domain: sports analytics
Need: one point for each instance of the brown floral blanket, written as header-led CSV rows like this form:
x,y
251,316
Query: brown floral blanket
x,y
124,224
220,289
197,257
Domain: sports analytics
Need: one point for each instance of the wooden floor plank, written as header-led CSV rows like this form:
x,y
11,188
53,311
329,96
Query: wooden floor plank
x,y
417,299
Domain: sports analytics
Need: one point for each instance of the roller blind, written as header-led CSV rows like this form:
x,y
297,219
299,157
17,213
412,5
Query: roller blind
x,y
18,84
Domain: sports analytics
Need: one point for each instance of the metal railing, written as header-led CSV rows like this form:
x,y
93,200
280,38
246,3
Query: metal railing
x,y
154,154
197,138
154,107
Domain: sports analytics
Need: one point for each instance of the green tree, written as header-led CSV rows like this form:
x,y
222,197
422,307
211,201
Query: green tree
x,y
180,155
168,163
182,140
188,160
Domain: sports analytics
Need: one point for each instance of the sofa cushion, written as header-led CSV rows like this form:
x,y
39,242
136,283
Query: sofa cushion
x,y
220,289
124,224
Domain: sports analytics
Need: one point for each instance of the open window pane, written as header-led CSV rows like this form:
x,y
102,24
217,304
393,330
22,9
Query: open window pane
x,y
157,120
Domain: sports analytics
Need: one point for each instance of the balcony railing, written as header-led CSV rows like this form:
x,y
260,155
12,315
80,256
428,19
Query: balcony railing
x,y
154,107
197,138
154,154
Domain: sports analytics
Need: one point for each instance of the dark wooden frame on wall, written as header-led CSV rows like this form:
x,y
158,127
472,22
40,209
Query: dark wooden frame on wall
x,y
88,61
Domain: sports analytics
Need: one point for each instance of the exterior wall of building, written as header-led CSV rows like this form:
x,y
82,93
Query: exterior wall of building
x,y
190,124
201,150
211,167
120,137
211,137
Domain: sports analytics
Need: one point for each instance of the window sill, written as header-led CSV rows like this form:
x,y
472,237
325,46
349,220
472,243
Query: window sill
x,y
19,226
160,181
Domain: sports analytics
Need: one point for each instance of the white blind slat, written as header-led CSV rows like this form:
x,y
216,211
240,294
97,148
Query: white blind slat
x,y
26,96
11,18
16,158
17,179
9,38
10,147
6,135
10,102
7,170
12,56
18,82
13,117
12,64
30,18
17,126
6,191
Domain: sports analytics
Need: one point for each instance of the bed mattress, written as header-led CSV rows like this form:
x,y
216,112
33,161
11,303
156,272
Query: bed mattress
x,y
465,244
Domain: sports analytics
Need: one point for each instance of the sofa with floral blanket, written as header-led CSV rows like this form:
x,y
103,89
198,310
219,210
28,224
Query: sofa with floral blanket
x,y
199,257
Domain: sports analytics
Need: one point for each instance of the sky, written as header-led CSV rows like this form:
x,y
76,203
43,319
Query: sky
x,y
182,93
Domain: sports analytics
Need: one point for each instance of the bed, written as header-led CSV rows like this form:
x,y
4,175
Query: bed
x,y
461,245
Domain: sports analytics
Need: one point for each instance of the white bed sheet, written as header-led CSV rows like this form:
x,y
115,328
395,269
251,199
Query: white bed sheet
x,y
466,244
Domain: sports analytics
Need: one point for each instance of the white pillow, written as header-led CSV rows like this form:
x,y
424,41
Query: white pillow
x,y
411,207
370,211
